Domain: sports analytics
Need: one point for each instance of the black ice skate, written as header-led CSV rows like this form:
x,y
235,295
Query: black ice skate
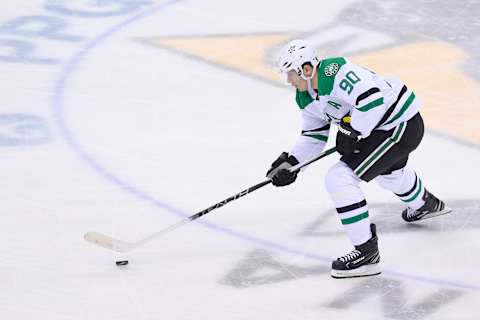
x,y
433,207
361,262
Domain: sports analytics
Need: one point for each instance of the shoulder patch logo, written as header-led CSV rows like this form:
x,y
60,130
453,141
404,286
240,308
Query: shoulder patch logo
x,y
331,69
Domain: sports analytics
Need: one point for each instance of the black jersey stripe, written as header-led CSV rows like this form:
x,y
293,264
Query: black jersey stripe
x,y
392,107
351,207
366,94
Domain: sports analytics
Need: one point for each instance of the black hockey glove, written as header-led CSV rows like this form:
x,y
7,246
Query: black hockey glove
x,y
279,172
347,137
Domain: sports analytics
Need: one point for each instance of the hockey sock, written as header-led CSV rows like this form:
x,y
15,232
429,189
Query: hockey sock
x,y
343,186
406,185
414,196
356,220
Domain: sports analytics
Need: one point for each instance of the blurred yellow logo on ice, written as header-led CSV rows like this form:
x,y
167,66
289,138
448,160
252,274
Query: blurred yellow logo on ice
x,y
432,69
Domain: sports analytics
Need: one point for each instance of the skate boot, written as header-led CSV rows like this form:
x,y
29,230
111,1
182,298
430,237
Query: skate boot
x,y
433,207
361,262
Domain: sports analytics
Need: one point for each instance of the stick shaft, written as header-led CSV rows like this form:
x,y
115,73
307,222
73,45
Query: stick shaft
x,y
232,198
320,156
203,212
258,186
123,246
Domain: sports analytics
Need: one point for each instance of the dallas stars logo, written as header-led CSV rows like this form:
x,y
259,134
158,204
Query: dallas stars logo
x,y
331,69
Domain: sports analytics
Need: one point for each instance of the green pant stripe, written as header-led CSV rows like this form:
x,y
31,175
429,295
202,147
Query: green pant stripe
x,y
381,150
398,133
374,157
365,164
356,218
420,188
403,109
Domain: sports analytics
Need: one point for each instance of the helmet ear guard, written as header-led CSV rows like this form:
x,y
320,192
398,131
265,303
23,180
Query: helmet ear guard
x,y
294,55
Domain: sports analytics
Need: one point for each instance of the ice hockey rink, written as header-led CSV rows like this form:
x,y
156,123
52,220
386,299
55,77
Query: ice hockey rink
x,y
125,116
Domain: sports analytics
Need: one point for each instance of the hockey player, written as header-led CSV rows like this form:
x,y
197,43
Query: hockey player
x,y
379,124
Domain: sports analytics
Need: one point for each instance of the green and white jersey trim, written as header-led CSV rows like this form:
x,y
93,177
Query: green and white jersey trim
x,y
303,99
346,88
369,100
373,158
406,108
314,135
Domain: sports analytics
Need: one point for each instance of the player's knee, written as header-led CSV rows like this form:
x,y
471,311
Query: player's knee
x,y
339,178
396,180
390,181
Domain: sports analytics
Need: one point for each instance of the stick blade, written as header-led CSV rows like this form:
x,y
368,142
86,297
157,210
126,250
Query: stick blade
x,y
105,241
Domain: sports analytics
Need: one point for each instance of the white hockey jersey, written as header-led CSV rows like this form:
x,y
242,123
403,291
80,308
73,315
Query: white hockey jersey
x,y
344,88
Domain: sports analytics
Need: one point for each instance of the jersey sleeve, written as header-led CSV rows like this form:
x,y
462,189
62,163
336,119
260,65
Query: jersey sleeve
x,y
363,90
312,139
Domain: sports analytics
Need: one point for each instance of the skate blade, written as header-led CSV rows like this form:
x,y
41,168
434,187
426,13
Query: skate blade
x,y
363,271
436,214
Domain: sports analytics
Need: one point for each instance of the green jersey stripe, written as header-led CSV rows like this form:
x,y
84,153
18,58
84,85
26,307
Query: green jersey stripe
x,y
371,105
356,218
317,136
403,109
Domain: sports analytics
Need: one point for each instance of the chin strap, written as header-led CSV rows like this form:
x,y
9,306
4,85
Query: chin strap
x,y
310,90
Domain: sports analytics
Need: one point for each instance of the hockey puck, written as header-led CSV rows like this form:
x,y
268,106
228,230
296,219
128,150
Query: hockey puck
x,y
121,263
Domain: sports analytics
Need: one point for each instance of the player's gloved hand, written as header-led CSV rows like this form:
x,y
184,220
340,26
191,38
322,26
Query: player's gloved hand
x,y
347,137
279,172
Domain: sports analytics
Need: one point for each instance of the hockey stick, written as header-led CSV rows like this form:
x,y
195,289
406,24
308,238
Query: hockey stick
x,y
108,242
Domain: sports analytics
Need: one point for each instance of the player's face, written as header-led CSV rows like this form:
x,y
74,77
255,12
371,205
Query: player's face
x,y
295,80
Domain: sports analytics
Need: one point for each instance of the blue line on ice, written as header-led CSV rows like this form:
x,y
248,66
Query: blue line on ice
x,y
58,107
